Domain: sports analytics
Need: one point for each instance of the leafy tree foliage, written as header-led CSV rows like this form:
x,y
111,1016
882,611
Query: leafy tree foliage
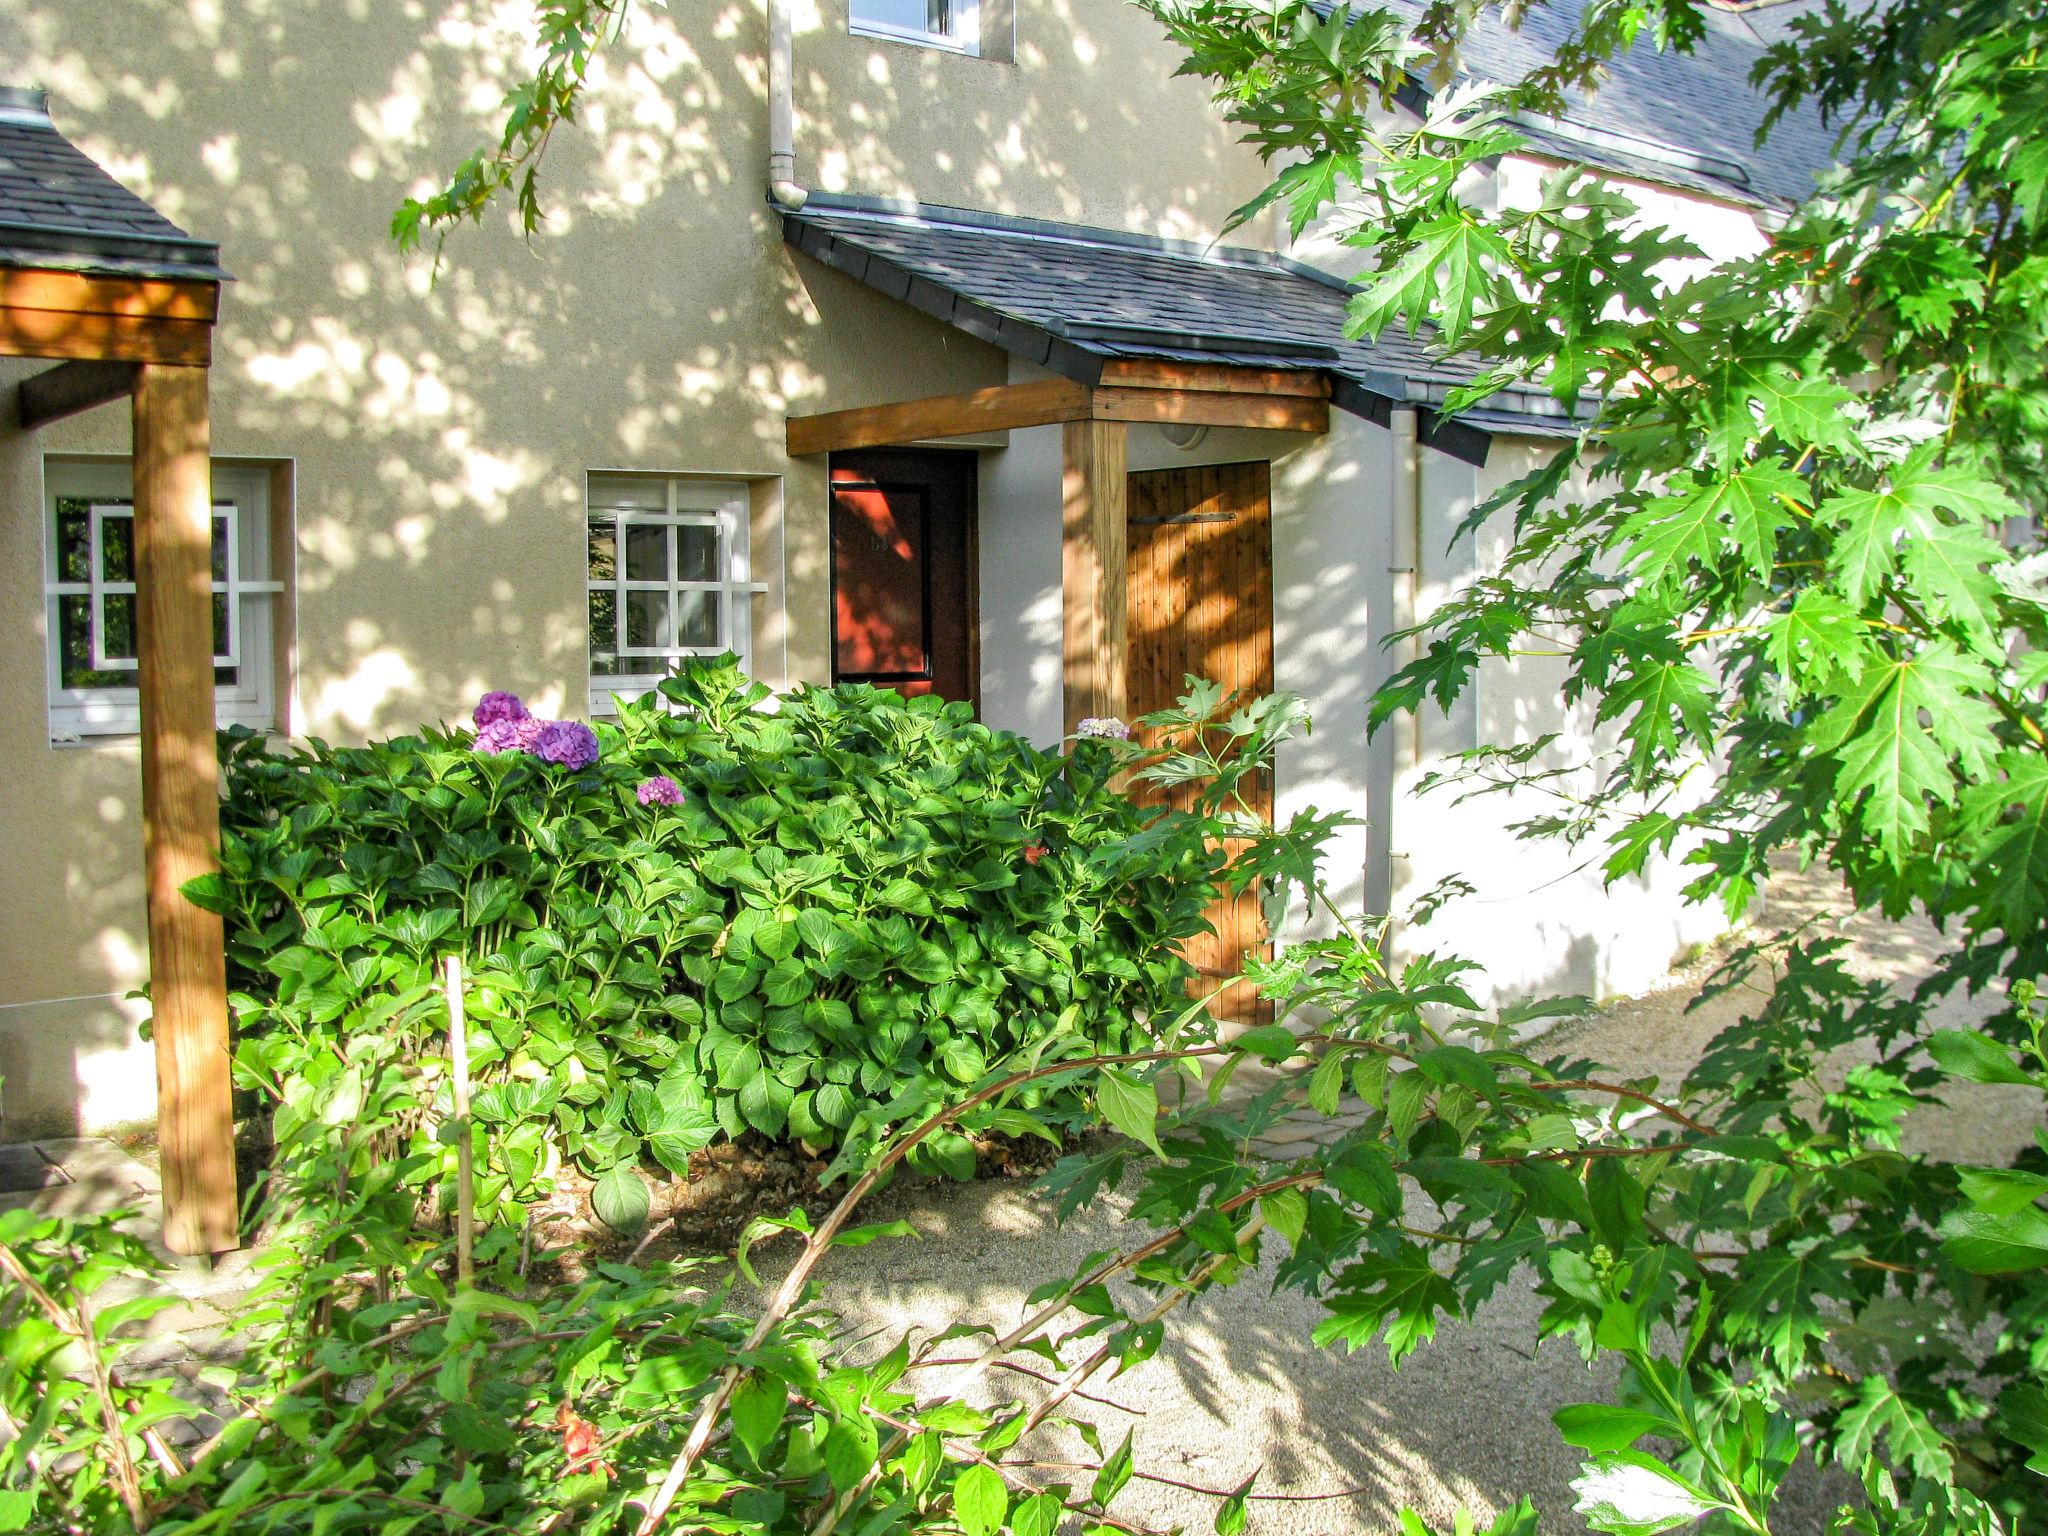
x,y
1808,557
1795,553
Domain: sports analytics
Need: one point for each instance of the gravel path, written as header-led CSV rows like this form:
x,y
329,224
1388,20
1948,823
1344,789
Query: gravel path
x,y
1239,1388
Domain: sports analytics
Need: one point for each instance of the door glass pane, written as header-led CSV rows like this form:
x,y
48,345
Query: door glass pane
x,y
117,627
117,549
220,549
647,621
697,619
604,633
646,552
696,553
881,580
604,551
74,648
220,623
74,539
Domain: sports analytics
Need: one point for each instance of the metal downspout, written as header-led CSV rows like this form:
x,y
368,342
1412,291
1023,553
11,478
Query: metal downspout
x,y
1404,488
783,188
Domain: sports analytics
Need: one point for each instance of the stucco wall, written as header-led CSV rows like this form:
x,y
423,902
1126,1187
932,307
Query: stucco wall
x,y
1539,918
441,423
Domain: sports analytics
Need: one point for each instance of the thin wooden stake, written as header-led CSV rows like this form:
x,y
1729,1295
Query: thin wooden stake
x,y
465,1175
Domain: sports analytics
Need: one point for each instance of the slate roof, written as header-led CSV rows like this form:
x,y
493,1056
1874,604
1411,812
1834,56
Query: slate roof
x,y
58,208
1071,297
1680,120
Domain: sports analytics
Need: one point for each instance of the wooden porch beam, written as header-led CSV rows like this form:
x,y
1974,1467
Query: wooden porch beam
x,y
1283,413
1000,408
70,388
1095,649
47,313
181,806
1218,378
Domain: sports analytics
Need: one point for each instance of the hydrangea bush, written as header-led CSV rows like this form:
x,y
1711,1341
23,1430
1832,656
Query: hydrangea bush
x,y
703,920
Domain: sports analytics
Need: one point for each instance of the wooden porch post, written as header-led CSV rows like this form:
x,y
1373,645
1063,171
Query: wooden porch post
x,y
1094,569
181,804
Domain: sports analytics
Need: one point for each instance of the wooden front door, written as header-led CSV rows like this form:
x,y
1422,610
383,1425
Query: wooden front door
x,y
1201,602
903,588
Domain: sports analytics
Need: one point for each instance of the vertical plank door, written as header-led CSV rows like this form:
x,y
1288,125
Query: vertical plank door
x,y
1201,603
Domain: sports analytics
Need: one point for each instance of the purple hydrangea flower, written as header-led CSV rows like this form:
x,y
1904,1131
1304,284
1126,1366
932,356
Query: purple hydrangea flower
x,y
567,743
659,790
1103,728
508,735
493,707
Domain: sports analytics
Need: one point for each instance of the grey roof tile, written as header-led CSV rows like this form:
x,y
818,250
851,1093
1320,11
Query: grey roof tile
x,y
1072,296
59,208
1687,120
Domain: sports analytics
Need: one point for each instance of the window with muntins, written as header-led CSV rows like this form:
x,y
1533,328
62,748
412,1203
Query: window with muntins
x,y
954,24
89,599
669,578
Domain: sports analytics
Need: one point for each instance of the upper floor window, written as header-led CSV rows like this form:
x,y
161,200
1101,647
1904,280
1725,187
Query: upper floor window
x,y
954,24
89,598
669,578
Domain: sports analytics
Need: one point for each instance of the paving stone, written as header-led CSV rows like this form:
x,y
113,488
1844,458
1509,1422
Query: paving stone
x,y
24,1169
1289,1134
95,1197
88,1159
94,1152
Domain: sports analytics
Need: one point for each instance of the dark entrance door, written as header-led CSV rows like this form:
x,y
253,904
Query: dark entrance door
x,y
903,587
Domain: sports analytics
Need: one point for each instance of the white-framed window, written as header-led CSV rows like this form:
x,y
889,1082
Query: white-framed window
x,y
669,578
89,598
954,24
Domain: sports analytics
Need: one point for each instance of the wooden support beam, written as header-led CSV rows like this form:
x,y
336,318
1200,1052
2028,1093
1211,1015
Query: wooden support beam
x,y
1220,378
1283,413
1095,649
181,805
56,333
47,313
70,388
1000,408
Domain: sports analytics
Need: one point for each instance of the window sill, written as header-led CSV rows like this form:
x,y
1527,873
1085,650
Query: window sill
x,y
927,40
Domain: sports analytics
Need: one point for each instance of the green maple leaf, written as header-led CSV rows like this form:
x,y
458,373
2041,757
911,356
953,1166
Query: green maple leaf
x,y
1895,731
1660,693
1306,187
1745,506
1776,1301
1819,638
1799,403
1871,523
1878,1410
2014,849
1401,1291
1949,567
1441,278
1927,276
1809,411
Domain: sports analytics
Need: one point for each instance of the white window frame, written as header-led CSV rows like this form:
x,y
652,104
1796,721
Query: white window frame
x,y
242,500
965,36
726,507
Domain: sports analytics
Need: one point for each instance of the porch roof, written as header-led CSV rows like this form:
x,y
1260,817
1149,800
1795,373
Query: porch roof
x,y
60,210
1072,297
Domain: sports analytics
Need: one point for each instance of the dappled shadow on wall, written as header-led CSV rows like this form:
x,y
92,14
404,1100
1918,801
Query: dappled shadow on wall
x,y
443,420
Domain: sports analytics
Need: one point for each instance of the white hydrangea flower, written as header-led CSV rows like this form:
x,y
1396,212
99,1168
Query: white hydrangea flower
x,y
1103,728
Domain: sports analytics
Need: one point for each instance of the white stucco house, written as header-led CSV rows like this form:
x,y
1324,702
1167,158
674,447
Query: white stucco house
x,y
875,339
